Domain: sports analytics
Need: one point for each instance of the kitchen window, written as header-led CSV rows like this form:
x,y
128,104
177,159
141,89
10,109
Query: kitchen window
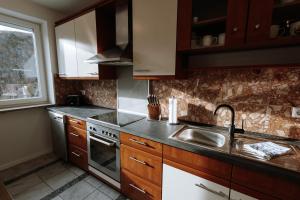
x,y
22,76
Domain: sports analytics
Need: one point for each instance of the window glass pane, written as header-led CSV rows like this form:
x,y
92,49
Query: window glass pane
x,y
18,64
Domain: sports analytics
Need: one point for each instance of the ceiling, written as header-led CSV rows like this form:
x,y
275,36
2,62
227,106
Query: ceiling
x,y
65,6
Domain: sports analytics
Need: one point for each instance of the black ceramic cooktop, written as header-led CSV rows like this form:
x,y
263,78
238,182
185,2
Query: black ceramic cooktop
x,y
116,118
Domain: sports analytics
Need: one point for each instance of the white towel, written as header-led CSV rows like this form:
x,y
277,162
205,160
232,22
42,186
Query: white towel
x,y
266,150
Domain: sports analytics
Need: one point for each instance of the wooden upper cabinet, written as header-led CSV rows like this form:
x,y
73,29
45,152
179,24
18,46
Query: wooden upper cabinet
x,y
76,42
237,13
184,24
259,21
82,36
66,49
86,44
247,24
154,38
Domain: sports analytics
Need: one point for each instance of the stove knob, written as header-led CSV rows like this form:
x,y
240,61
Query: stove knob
x,y
91,128
110,134
94,129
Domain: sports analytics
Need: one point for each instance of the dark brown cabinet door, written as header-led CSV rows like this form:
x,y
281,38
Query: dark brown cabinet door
x,y
259,20
184,24
237,13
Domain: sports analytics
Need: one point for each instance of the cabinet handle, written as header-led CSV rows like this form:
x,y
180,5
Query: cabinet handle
x,y
93,73
74,134
220,193
235,29
76,154
138,142
141,70
139,161
138,189
257,26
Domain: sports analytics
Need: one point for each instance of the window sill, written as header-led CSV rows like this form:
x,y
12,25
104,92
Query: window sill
x,y
24,107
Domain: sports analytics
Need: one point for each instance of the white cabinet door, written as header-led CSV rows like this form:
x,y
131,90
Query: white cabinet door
x,y
86,43
66,49
181,185
234,195
154,37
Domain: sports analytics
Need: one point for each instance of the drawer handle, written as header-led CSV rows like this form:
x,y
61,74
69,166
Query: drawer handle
x,y
220,193
138,189
139,161
76,154
141,70
138,142
74,134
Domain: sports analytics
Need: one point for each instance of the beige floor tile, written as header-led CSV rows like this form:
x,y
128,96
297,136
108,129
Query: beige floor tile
x,y
78,191
109,191
52,170
93,181
60,179
97,195
23,184
34,193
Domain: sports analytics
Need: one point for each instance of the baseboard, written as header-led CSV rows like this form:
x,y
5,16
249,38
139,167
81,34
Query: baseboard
x,y
25,159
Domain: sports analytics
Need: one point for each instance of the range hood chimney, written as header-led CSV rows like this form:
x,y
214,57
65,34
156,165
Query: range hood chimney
x,y
121,54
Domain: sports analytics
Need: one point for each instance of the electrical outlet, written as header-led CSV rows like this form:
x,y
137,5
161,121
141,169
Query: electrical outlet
x,y
296,112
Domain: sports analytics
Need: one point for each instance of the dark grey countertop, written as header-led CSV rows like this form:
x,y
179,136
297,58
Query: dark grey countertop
x,y
159,131
81,112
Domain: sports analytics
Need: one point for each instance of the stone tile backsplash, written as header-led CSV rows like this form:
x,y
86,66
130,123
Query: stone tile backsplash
x,y
261,97
100,93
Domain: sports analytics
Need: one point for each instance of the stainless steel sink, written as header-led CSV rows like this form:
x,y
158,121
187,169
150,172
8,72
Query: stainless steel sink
x,y
200,137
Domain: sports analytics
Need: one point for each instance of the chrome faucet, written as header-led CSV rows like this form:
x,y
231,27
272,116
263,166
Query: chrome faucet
x,y
232,128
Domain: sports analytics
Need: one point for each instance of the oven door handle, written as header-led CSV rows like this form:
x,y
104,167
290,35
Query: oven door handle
x,y
110,144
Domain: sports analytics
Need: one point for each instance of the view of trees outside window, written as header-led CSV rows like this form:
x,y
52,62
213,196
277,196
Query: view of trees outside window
x,y
18,64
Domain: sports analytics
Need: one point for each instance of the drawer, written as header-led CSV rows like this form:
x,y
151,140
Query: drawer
x,y
142,144
137,188
142,164
76,123
242,193
266,183
205,164
78,157
77,137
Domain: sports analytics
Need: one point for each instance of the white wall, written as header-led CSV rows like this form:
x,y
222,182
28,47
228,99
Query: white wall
x,y
25,134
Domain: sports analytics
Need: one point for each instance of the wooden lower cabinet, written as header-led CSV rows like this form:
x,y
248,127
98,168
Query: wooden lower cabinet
x,y
270,185
137,188
238,192
179,185
141,168
143,144
77,142
183,175
77,137
76,123
78,157
142,164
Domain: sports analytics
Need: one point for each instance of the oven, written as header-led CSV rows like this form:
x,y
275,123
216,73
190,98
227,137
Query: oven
x,y
104,150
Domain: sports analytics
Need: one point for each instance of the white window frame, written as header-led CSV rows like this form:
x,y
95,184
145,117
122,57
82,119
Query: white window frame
x,y
41,75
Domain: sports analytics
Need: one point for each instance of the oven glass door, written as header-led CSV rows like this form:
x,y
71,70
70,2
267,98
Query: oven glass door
x,y
104,155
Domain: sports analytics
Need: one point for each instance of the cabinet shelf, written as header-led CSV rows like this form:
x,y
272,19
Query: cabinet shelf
x,y
209,21
271,43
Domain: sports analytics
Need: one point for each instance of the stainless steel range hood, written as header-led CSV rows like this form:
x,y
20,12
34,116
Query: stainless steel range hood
x,y
119,54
